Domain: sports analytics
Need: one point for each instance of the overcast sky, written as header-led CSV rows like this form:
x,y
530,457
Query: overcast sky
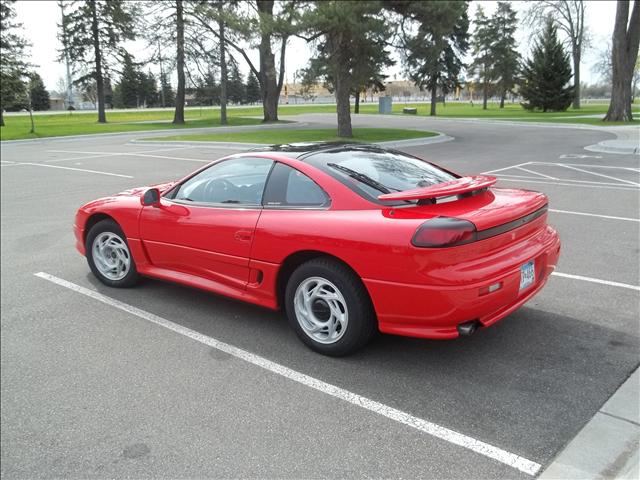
x,y
40,19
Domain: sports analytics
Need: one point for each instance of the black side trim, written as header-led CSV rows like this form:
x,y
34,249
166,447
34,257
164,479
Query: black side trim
x,y
493,231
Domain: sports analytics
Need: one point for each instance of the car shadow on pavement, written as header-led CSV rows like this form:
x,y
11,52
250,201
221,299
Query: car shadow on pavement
x,y
528,383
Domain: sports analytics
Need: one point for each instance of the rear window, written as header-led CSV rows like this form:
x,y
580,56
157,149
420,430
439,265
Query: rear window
x,y
373,172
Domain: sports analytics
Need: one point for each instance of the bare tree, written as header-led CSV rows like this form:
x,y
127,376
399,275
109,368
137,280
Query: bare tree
x,y
624,54
262,25
178,117
603,65
568,15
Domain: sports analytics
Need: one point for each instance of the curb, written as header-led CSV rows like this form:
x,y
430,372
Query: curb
x,y
623,147
411,142
204,143
607,446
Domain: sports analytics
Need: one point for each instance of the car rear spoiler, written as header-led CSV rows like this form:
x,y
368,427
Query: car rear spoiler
x,y
446,189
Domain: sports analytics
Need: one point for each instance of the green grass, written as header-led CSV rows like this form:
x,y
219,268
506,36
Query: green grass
x,y
292,136
510,111
79,123
54,125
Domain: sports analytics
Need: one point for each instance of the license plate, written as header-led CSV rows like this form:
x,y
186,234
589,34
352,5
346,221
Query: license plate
x,y
527,275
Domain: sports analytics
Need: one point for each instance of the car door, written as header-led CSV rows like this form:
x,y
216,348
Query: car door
x,y
205,225
294,213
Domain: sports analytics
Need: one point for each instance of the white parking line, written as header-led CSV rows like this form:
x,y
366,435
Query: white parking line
x,y
69,159
599,174
597,280
595,215
536,173
592,166
129,154
586,182
511,459
76,169
620,186
506,168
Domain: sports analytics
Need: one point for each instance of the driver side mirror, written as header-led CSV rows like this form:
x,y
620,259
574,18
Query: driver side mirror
x,y
151,197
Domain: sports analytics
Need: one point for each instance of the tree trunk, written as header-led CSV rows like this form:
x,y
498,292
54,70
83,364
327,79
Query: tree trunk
x,y
33,127
223,71
502,97
268,81
102,117
178,117
356,108
343,108
162,78
576,79
1,117
434,90
623,56
485,89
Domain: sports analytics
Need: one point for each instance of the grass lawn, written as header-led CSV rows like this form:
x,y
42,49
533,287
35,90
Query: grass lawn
x,y
79,123
511,111
292,136
54,125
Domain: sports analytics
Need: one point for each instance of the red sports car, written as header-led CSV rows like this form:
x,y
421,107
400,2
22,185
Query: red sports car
x,y
348,239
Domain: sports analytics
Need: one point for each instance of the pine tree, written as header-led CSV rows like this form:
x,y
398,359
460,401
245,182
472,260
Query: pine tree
x,y
505,53
167,91
38,93
207,91
235,86
13,63
353,35
483,64
129,85
546,75
252,89
434,51
147,90
94,31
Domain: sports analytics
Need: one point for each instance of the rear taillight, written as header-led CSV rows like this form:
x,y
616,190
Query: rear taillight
x,y
444,232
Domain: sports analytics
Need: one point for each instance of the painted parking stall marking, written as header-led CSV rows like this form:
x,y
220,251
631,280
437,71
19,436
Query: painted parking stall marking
x,y
131,154
451,436
610,217
97,172
597,280
594,176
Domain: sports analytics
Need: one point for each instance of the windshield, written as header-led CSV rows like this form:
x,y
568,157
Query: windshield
x,y
371,172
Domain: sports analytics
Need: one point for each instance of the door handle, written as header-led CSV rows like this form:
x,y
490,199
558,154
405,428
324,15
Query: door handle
x,y
243,235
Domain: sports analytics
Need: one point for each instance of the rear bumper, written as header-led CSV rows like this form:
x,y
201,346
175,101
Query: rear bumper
x,y
435,311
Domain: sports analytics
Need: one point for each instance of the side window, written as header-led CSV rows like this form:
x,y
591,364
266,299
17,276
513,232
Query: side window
x,y
239,181
289,187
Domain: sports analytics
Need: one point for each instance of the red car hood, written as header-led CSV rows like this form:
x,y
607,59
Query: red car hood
x,y
138,191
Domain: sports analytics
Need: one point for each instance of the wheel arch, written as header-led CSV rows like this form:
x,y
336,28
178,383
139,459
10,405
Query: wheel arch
x,y
93,219
296,259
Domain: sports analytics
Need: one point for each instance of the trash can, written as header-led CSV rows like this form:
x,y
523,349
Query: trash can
x,y
384,105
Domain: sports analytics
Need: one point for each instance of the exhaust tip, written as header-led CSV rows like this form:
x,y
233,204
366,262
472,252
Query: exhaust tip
x,y
467,329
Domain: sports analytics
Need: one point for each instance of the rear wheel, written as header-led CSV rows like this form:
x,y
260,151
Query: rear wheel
x,y
108,255
329,308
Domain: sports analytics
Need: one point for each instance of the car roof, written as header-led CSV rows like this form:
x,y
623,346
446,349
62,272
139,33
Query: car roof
x,y
304,149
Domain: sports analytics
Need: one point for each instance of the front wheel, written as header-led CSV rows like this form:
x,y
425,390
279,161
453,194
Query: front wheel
x,y
329,308
108,255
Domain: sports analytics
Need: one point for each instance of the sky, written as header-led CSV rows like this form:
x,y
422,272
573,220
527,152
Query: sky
x,y
40,20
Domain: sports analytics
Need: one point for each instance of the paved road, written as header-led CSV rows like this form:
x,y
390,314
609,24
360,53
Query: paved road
x,y
92,391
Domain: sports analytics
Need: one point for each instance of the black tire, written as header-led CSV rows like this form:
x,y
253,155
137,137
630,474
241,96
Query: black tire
x,y
109,226
362,323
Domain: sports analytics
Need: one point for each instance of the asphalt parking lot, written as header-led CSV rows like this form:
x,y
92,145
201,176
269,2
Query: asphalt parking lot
x,y
92,390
